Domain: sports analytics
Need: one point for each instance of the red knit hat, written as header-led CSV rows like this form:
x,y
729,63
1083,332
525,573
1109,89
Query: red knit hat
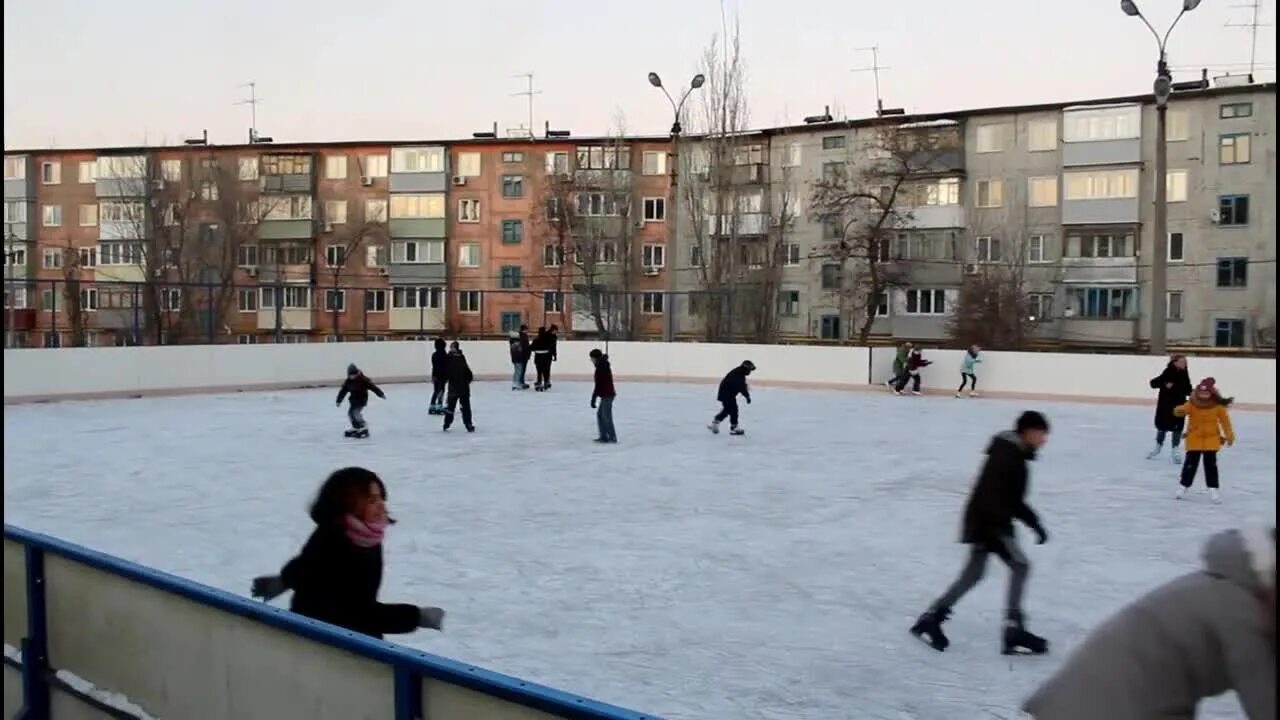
x,y
1208,385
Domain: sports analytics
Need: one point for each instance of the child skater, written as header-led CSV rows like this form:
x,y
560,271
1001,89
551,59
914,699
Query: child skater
x,y
359,387
968,371
603,392
1209,426
733,385
460,378
439,378
335,578
911,372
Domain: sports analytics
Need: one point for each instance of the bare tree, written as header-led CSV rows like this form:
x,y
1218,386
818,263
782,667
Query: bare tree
x,y
992,309
73,292
345,244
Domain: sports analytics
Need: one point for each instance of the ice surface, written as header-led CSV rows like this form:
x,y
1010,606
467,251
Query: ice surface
x,y
681,573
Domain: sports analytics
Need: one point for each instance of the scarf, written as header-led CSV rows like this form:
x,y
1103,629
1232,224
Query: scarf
x,y
362,534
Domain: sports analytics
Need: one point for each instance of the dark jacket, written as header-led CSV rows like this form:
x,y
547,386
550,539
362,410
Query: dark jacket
x,y
517,348
916,360
336,581
733,385
359,388
439,364
999,495
553,339
1171,397
460,375
525,346
543,343
604,380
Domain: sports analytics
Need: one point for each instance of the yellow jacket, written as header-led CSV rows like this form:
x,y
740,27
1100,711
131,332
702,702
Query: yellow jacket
x,y
1207,426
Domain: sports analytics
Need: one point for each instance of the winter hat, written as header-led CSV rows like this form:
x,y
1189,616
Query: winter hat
x,y
1032,420
352,369
1208,385
439,343
750,366
595,353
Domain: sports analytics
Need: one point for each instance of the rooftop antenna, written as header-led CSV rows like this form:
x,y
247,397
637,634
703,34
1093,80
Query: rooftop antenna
x,y
1253,25
528,92
875,69
252,102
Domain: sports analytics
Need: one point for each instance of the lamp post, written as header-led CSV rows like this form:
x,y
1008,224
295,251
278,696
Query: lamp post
x,y
673,196
1160,228
10,256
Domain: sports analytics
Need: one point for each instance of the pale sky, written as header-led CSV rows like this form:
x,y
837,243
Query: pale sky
x,y
80,73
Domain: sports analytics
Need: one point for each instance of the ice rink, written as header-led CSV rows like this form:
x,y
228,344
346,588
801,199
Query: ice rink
x,y
681,573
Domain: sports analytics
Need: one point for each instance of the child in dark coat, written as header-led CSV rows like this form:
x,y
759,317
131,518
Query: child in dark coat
x,y
911,372
603,392
1174,384
335,578
733,385
358,387
439,378
460,378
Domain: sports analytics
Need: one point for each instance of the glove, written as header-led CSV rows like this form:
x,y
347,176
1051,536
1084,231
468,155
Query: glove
x,y
593,402
1229,441
748,401
1042,536
267,587
431,617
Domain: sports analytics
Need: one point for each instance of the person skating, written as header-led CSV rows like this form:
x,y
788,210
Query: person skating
x,y
899,364
460,378
526,352
517,361
439,378
1200,635
602,395
358,387
911,372
542,349
733,385
1209,426
997,499
335,578
969,371
553,341
1174,384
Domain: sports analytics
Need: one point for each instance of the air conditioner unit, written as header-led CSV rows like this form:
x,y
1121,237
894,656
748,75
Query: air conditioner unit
x,y
382,272
328,227
459,180
971,268
650,272
366,181
1215,216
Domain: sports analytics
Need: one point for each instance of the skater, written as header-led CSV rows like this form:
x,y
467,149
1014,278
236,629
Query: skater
x,y
911,372
1197,636
968,371
1174,384
543,347
733,385
553,340
460,378
439,378
899,364
517,361
526,351
1210,427
997,498
335,578
604,393
359,387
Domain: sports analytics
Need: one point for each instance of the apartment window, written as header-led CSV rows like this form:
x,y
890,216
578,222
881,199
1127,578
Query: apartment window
x,y
651,303
1037,249
375,300
1093,125
793,155
335,256
16,298
1042,191
15,256
417,206
246,339
88,257
247,256
926,302
1177,126
208,190
288,207
51,215
830,276
552,255
51,172
832,228
114,167
829,327
653,163
791,254
247,300
1105,303
469,255
512,186
1230,111
375,210
287,255
557,163
696,258
990,138
987,249
653,256
15,168
509,277
89,299
1040,306
1233,210
1175,186
375,166
335,212
1233,149
468,164
286,164
1042,135
52,258
512,232
1100,245
335,300
990,193
88,215
468,210
417,251
606,252
375,256
170,299
601,157
553,301
789,303
833,142
87,172
1176,250
512,157
878,305
294,297
1228,333
1233,272
596,204
417,160
120,253
170,170
417,298
247,168
832,171
15,212
49,300
922,246
942,192
335,167
1173,306
1101,184
469,301
655,209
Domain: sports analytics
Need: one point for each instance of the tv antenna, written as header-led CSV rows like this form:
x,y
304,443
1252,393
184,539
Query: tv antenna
x,y
874,69
1253,25
528,92
252,101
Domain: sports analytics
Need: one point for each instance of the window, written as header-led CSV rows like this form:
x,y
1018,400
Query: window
x,y
512,232
829,328
114,167
208,190
468,210
653,256
335,212
922,246
468,164
655,209
1100,245
553,301
88,172
1233,149
1173,306
417,160
789,303
246,339
512,186
1037,249
335,167
512,157
15,168
833,142
294,297
596,204
417,206
987,250
52,258
1229,111
1233,210
552,255
651,303
1042,191
50,300
287,207
1101,184
830,276
88,215
990,193
1093,125
417,298
942,192
791,254
375,256
89,298
16,298
509,277
286,255
832,228
15,212
335,256
51,215
375,300
990,138
375,210
375,166
1233,272
926,302
557,163
654,163
88,257
247,168
335,300
247,300
170,299
51,172
1228,333
1175,186
832,171
469,301
120,253
209,165
247,256
1104,303
600,157
15,256
1176,250
1042,135
696,258
286,164
170,170
417,251
1040,306
469,255
793,155
1177,126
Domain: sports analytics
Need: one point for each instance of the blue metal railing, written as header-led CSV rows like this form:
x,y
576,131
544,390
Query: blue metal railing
x,y
409,666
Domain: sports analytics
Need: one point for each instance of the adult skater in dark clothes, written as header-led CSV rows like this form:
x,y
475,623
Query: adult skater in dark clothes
x,y
335,578
439,378
911,372
553,339
358,387
460,378
517,361
998,497
603,393
542,349
733,385
1174,384
526,352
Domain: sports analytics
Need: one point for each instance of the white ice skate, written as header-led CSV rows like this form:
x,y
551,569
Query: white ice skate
x,y
973,393
915,392
960,395
714,427
1215,496
1182,491
1176,455
1155,452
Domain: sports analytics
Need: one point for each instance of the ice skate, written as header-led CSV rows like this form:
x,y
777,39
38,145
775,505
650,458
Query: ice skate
x,y
1155,452
897,392
915,392
1176,456
361,433
735,430
471,428
1215,496
349,433
1020,641
714,427
1182,491
928,629
973,393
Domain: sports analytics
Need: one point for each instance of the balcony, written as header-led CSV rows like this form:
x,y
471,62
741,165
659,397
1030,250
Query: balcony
x,y
286,229
751,174
295,273
18,230
24,187
417,227
118,319
291,319
121,187
618,178
936,216
416,319
418,182
289,183
287,173
1102,152
1103,211
418,273
132,273
1100,271
741,224
23,319
418,170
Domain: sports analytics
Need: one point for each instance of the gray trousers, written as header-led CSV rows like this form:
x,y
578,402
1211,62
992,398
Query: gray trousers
x,y
604,420
1006,548
356,416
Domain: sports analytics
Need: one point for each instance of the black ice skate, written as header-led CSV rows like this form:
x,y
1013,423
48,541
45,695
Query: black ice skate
x,y
358,433
349,433
735,430
1020,641
471,428
928,629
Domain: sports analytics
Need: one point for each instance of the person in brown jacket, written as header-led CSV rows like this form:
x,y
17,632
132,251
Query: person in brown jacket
x,y
1209,427
1195,637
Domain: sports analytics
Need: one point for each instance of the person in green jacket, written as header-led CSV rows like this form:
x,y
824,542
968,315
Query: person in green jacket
x,y
969,371
899,364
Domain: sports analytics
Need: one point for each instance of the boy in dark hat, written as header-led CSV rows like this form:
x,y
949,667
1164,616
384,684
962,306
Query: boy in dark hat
x,y
603,392
460,378
358,387
439,378
733,385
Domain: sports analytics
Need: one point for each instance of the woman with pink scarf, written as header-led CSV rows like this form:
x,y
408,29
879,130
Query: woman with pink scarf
x,y
335,578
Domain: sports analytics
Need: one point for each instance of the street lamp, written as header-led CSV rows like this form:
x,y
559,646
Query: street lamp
x,y
1162,88
673,198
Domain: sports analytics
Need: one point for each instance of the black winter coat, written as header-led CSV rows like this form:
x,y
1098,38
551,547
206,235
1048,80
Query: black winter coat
x,y
733,385
517,351
336,581
359,388
525,349
999,495
552,340
439,365
460,376
1171,397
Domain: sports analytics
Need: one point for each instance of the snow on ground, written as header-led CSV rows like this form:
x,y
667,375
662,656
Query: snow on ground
x,y
681,573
